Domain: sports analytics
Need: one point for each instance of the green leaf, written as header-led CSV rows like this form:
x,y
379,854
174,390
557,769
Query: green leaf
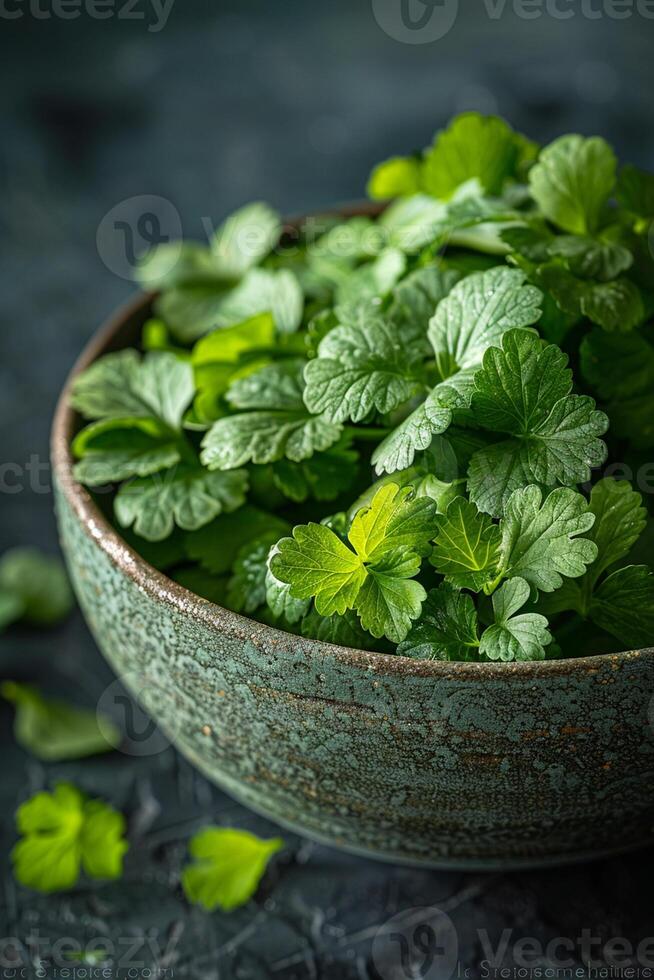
x,y
247,586
11,608
473,146
523,390
592,259
636,192
120,385
388,538
115,449
416,298
373,280
514,637
397,451
34,586
624,606
467,545
228,344
620,519
324,476
216,545
193,310
447,628
53,730
174,263
227,867
280,425
572,182
279,599
540,538
360,367
411,223
244,239
62,833
187,496
396,177
621,369
477,313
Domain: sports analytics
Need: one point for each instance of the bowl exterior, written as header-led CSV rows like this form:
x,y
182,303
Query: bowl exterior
x,y
446,764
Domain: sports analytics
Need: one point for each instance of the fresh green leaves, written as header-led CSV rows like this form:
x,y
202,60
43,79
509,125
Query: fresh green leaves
x,y
372,576
467,546
513,637
33,587
524,391
447,628
227,867
64,833
624,605
572,182
53,730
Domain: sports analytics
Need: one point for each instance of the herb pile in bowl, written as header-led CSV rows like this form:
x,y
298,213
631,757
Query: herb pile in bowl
x,y
416,433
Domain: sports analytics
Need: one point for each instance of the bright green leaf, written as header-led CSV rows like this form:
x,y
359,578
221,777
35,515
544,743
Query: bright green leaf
x,y
513,637
227,867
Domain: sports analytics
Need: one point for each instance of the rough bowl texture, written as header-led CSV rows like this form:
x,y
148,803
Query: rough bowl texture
x,y
454,765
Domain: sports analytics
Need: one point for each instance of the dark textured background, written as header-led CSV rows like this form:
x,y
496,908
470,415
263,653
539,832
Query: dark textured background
x,y
290,102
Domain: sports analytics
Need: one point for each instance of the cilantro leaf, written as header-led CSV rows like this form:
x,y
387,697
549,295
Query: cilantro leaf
x,y
572,182
397,451
416,298
278,596
467,546
623,604
388,538
53,730
590,258
523,390
540,540
513,637
447,628
473,146
116,449
361,367
396,177
621,370
227,867
123,385
64,832
33,587
187,496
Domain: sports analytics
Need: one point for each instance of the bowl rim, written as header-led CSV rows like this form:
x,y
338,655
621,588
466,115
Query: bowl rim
x,y
164,589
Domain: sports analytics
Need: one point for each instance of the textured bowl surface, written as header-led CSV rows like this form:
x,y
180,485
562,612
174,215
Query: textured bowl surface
x,y
454,765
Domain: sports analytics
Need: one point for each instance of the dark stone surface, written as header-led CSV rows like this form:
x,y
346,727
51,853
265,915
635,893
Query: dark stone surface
x,y
288,102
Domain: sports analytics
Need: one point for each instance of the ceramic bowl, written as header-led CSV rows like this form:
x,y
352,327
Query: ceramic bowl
x,y
446,764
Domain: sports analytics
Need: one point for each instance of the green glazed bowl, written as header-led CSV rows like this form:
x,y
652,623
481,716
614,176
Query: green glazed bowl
x,y
445,764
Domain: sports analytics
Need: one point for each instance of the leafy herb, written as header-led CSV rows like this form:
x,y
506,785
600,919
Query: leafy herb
x,y
431,373
227,867
63,833
33,587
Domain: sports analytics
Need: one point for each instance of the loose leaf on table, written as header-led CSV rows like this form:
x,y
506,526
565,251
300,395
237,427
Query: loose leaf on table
x,y
361,367
186,496
572,182
447,628
513,637
374,578
227,867
34,587
124,385
523,390
276,425
473,316
63,833
467,546
54,731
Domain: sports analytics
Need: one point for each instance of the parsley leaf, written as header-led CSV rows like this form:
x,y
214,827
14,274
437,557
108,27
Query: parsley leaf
x,y
513,637
361,367
523,390
447,628
467,546
216,545
572,182
187,496
53,730
323,476
227,867
396,177
122,385
279,426
623,604
388,538
112,450
247,586
33,587
64,832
